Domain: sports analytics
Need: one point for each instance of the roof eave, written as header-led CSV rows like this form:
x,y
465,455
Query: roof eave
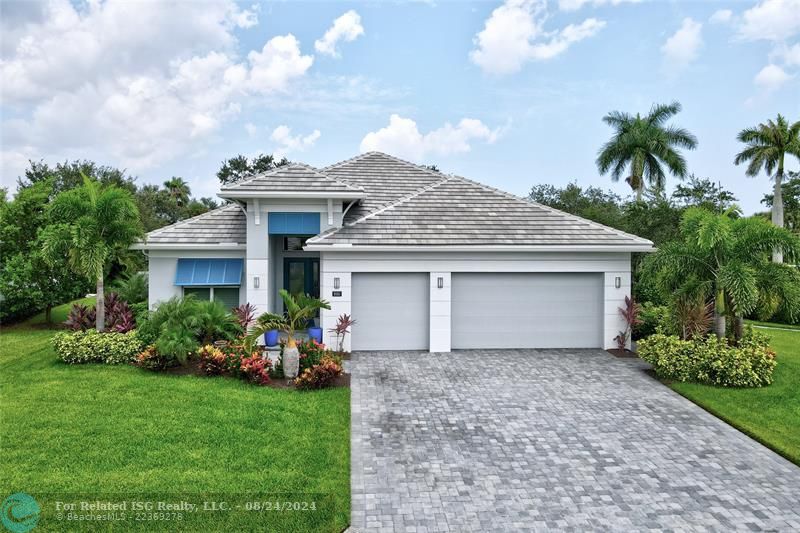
x,y
232,195
344,247
187,246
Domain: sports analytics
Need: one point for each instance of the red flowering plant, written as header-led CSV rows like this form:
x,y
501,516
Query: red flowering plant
x,y
256,369
311,353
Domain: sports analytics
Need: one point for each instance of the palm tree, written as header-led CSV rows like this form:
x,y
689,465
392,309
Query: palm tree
x,y
724,259
299,309
91,226
644,144
178,189
767,146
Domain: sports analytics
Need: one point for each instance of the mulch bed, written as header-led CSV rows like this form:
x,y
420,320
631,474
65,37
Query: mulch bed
x,y
616,352
193,369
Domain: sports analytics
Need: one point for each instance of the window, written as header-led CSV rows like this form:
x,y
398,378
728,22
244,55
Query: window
x,y
294,244
228,296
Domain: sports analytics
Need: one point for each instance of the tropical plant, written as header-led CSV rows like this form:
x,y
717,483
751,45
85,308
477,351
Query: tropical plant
x,y
767,147
178,190
212,321
725,259
631,315
643,145
94,224
694,316
790,194
133,288
246,315
299,309
320,375
341,329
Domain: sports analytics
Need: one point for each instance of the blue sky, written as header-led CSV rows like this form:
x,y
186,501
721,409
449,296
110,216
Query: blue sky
x,y
511,94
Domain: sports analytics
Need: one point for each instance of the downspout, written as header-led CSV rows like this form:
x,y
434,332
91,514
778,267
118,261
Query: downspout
x,y
347,209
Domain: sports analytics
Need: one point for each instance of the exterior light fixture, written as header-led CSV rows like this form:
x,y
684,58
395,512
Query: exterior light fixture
x,y
335,283
256,282
440,282
618,282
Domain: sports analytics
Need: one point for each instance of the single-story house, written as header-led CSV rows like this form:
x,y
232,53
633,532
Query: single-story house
x,y
421,260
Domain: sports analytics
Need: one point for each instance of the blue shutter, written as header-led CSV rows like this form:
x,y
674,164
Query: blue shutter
x,y
293,223
205,272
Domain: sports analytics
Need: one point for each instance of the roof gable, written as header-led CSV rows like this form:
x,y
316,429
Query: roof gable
x,y
226,225
293,180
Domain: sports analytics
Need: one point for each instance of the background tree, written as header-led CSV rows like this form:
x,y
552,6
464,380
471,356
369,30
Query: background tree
x,y
790,193
767,146
238,167
642,145
704,193
92,225
592,202
725,259
178,190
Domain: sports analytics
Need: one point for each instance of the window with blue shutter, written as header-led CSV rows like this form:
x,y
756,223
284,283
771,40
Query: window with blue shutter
x,y
293,223
205,272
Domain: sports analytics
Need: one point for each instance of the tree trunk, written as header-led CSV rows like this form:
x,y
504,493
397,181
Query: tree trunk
x,y
100,305
719,314
639,194
738,328
48,314
777,207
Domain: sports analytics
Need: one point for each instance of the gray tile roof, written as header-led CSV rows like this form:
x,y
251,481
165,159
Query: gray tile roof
x,y
294,177
407,205
224,225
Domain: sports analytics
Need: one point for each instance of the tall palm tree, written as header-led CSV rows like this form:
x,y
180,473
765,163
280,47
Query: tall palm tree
x,y
91,226
724,259
178,189
644,144
767,146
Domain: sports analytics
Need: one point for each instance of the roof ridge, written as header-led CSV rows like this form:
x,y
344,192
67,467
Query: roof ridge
x,y
278,169
190,219
385,207
389,156
551,209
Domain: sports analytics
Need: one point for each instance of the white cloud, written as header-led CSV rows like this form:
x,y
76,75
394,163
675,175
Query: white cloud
x,y
278,63
287,143
790,55
574,5
771,78
721,16
345,28
514,35
403,138
772,20
251,129
134,83
681,48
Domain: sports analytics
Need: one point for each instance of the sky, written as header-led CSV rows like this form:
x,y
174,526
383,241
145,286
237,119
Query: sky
x,y
508,93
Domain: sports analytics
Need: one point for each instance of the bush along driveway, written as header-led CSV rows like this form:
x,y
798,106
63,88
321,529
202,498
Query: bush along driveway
x,y
118,432
550,439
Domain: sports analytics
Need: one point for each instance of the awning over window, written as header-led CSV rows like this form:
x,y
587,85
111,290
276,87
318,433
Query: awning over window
x,y
208,272
293,223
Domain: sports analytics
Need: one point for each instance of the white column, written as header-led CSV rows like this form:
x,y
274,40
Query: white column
x,y
339,298
257,259
614,298
440,312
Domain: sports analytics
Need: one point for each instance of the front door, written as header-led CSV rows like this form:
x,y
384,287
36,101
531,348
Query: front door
x,y
301,275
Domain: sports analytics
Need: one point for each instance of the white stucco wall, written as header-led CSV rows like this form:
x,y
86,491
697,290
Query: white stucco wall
x,y
162,265
342,264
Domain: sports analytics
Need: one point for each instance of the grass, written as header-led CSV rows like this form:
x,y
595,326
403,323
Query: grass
x,y
770,414
95,432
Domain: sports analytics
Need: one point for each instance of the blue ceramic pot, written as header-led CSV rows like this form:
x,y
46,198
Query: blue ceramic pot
x,y
271,337
315,333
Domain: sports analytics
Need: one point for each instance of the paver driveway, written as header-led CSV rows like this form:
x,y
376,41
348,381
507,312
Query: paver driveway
x,y
528,439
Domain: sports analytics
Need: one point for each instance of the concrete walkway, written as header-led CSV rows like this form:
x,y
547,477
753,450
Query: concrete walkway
x,y
519,440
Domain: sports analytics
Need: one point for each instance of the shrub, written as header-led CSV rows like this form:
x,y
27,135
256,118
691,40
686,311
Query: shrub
x,y
177,343
132,289
246,315
213,321
256,369
150,359
311,353
80,318
711,360
119,317
91,346
653,319
213,361
319,376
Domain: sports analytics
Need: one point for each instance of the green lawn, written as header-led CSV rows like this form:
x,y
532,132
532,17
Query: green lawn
x,y
771,414
120,433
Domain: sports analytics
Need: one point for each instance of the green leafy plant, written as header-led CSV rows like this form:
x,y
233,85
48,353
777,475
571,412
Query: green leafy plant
x,y
91,346
711,360
178,343
653,319
132,289
213,321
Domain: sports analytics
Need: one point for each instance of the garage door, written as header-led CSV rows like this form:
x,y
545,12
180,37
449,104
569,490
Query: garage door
x,y
527,310
392,311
